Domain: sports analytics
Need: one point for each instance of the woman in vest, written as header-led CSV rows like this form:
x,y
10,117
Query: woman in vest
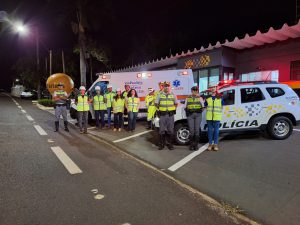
x,y
132,105
118,110
99,107
194,115
214,107
83,109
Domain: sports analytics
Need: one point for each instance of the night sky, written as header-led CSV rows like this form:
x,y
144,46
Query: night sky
x,y
134,31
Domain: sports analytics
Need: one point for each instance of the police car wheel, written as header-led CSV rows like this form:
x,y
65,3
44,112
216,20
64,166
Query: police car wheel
x,y
182,134
280,128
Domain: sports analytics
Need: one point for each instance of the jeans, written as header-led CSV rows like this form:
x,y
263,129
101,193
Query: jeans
x,y
83,118
132,120
109,109
118,120
61,110
101,114
213,131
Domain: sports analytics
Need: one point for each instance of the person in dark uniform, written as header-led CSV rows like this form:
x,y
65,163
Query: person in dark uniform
x,y
60,98
166,103
193,111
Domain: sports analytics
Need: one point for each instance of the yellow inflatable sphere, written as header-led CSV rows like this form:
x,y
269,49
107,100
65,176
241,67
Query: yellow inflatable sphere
x,y
57,78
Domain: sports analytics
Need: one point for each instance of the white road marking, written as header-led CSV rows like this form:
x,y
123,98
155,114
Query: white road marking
x,y
66,160
132,136
50,140
20,107
296,129
98,197
40,130
94,191
17,103
188,158
89,128
23,111
29,118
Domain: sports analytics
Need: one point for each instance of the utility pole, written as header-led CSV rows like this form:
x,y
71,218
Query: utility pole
x,y
37,40
297,10
50,62
63,61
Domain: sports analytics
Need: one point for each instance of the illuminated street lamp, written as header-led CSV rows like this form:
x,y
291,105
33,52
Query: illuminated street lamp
x,y
20,28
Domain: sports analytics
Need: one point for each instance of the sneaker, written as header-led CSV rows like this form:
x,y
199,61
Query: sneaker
x,y
120,129
209,148
216,148
115,129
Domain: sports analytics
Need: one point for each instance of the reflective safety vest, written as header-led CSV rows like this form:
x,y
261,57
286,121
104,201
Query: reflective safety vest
x,y
82,103
150,100
193,104
214,109
98,102
166,102
118,105
60,93
109,98
132,104
124,94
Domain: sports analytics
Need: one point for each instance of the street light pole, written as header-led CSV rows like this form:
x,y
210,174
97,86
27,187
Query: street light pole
x,y
37,42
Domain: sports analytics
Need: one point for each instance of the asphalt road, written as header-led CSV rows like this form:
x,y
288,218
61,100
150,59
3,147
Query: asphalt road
x,y
36,188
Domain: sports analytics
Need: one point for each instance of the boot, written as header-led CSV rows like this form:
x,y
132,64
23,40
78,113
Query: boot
x,y
215,147
191,147
66,126
149,125
196,141
161,144
56,126
209,148
170,142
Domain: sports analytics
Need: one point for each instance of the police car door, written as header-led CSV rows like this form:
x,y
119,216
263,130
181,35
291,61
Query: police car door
x,y
229,108
250,110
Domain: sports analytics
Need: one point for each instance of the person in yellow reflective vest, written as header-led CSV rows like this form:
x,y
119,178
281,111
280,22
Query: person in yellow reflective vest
x,y
166,102
125,94
132,105
193,109
150,104
99,108
118,110
83,109
60,98
214,110
109,97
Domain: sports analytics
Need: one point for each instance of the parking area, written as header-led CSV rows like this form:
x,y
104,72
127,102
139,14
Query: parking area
x,y
259,175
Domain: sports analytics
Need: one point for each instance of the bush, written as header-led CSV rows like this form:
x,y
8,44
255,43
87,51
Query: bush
x,y
46,102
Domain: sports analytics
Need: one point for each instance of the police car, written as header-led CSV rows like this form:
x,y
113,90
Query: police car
x,y
268,106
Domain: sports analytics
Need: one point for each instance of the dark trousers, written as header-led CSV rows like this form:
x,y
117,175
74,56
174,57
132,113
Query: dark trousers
x,y
101,114
118,119
132,120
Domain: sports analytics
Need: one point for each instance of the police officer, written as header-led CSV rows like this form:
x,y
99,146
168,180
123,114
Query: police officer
x,y
194,115
99,107
83,108
109,97
166,103
60,97
214,106
125,94
151,108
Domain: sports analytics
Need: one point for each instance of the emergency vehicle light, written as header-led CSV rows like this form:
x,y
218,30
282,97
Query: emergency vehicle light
x,y
144,75
184,73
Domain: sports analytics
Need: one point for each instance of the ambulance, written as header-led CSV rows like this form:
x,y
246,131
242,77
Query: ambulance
x,y
261,105
181,83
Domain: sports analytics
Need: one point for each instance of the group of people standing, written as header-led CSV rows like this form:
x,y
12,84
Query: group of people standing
x,y
125,107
